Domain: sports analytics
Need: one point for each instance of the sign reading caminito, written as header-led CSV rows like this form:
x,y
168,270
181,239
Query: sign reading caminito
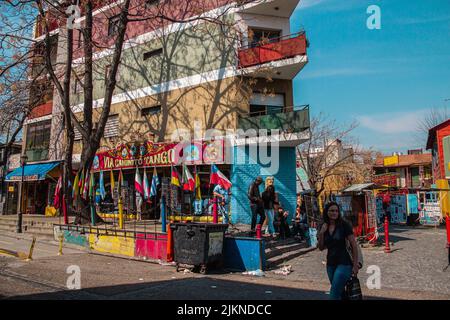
x,y
150,154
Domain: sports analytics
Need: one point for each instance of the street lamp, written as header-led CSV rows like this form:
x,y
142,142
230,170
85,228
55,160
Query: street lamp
x,y
23,161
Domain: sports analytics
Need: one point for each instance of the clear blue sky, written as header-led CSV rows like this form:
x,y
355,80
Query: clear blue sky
x,y
386,79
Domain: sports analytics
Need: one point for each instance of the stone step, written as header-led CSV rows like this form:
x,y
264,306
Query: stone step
x,y
28,229
276,261
277,243
282,249
27,223
37,234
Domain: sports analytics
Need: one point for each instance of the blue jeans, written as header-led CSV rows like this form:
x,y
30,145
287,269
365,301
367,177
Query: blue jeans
x,y
269,214
338,275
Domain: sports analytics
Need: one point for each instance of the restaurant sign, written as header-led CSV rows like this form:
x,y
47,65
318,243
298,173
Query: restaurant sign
x,y
150,154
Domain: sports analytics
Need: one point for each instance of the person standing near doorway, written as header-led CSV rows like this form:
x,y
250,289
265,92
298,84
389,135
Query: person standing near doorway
x,y
256,203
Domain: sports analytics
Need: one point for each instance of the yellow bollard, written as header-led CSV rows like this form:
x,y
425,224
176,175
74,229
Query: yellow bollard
x,y
61,240
30,254
120,213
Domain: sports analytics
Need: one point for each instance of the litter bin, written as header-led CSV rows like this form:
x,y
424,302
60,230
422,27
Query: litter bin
x,y
198,244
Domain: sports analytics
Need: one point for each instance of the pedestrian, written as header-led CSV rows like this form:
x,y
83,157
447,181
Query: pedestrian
x,y
281,224
256,203
301,220
223,197
336,235
269,200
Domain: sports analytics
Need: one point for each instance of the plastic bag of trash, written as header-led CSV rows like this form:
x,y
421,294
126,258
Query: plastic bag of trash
x,y
258,273
285,270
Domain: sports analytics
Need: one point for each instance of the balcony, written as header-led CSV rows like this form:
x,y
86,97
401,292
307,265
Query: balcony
x,y
277,8
42,110
284,119
284,56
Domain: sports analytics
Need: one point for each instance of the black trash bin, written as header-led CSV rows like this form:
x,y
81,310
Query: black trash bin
x,y
198,244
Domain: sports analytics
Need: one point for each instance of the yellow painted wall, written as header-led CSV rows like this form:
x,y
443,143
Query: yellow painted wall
x,y
111,244
444,196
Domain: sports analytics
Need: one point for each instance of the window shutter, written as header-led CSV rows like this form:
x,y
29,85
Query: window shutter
x,y
112,127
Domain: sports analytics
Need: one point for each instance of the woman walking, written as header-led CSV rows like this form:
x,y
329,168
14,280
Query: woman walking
x,y
337,236
269,199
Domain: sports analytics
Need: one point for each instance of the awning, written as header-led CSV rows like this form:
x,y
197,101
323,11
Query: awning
x,y
32,172
359,187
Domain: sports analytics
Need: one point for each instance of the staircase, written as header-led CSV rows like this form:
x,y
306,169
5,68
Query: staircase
x,y
36,225
279,252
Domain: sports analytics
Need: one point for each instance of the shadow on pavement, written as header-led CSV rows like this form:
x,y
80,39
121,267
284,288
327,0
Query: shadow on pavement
x,y
183,289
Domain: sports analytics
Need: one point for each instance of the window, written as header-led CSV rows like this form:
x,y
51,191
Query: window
x,y
38,135
150,111
153,53
263,104
112,126
150,3
258,36
80,39
77,86
113,25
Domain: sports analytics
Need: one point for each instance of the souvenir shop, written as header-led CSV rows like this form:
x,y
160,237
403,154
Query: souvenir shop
x,y
358,207
38,189
156,167
411,206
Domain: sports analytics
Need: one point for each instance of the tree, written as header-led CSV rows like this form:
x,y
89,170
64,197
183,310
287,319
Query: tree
x,y
332,158
433,117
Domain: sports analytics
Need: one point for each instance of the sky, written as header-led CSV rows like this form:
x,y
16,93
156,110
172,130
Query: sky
x,y
386,79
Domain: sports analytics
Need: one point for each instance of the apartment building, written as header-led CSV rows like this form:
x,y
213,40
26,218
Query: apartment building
x,y
216,64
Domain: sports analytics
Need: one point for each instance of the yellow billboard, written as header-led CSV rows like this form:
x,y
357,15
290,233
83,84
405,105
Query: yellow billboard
x,y
391,161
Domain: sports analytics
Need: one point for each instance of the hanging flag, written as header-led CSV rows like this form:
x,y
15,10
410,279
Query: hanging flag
x,y
146,186
81,185
218,177
76,186
138,182
113,183
102,186
86,186
198,192
188,179
56,201
92,186
120,180
155,183
175,178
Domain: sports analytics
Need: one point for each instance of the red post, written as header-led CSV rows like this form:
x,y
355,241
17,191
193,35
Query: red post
x,y
64,207
447,220
258,232
387,248
215,215
169,244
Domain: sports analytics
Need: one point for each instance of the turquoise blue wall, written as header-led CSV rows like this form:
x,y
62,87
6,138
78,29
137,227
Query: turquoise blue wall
x,y
243,174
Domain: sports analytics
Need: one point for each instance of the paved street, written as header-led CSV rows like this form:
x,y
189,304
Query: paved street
x,y
412,271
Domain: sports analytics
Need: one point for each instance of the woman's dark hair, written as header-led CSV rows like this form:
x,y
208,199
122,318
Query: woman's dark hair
x,y
326,219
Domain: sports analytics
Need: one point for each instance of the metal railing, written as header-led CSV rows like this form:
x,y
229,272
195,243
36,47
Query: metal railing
x,y
273,49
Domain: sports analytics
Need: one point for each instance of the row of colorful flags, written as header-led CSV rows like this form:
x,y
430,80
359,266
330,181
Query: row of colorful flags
x,y
84,183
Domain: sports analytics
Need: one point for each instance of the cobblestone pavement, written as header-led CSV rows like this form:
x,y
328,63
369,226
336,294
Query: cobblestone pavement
x,y
416,263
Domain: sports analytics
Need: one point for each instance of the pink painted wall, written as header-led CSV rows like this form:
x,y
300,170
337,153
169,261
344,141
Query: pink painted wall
x,y
152,247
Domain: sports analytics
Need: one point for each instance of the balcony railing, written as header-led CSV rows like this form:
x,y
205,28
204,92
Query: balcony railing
x,y
287,120
42,110
276,49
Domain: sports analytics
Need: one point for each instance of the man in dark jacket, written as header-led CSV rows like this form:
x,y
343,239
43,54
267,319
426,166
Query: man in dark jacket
x,y
256,203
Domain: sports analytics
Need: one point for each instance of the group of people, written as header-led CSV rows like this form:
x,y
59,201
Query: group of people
x,y
266,205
